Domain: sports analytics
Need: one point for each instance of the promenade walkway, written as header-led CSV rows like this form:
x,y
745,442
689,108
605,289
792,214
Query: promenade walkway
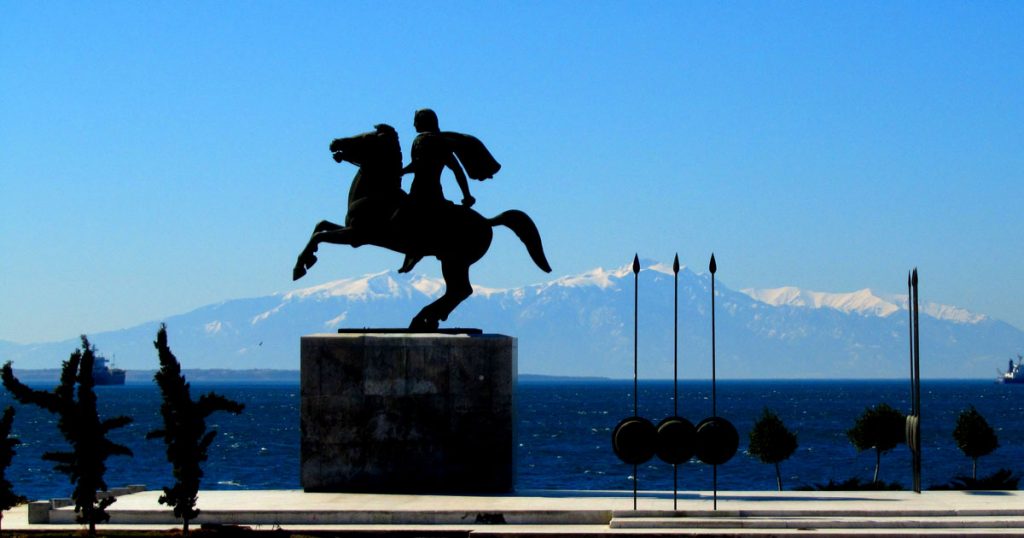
x,y
577,513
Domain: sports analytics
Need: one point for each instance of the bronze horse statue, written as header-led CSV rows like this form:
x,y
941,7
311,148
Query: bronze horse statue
x,y
380,213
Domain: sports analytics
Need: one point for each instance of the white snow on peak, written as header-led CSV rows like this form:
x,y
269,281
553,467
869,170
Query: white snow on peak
x,y
659,267
431,287
487,292
599,277
389,284
372,286
263,316
334,322
605,278
863,302
951,313
381,285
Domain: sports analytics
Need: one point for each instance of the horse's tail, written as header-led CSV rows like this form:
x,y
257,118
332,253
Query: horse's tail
x,y
524,228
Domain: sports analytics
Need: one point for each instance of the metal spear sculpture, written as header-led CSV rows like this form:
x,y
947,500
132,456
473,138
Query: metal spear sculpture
x,y
913,429
634,438
717,438
676,435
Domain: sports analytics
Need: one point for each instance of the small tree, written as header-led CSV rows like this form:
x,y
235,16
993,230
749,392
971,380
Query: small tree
x,y
184,431
880,427
771,442
974,437
8,499
81,426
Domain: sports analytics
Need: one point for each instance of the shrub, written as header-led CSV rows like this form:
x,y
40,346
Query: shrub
x,y
854,484
771,442
974,437
1003,479
881,428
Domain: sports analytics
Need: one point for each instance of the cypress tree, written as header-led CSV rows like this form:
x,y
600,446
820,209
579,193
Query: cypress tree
x,y
79,422
184,431
8,499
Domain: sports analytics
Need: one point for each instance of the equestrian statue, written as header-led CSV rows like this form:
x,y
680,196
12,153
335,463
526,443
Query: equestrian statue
x,y
422,222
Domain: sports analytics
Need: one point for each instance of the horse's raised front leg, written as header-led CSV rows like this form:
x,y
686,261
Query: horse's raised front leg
x,y
457,289
325,232
326,226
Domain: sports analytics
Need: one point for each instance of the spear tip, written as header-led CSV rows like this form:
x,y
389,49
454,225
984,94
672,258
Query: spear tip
x,y
914,278
675,264
712,266
636,264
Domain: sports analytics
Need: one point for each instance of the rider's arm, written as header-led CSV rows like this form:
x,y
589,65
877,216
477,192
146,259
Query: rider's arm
x,y
410,168
460,177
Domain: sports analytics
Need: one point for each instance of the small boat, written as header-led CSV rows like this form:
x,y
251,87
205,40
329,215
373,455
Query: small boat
x,y
105,375
1014,373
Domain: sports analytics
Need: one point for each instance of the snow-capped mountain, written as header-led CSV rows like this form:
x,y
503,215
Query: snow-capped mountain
x,y
583,325
863,302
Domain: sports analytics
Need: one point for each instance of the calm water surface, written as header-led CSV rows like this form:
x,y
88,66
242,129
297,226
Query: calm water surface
x,y
564,434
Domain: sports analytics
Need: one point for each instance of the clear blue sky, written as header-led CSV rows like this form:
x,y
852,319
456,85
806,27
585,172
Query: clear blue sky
x,y
159,156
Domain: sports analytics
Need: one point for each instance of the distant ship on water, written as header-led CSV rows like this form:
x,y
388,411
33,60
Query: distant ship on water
x,y
105,375
1014,373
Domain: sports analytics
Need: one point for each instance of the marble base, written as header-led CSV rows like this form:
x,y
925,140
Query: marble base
x,y
423,413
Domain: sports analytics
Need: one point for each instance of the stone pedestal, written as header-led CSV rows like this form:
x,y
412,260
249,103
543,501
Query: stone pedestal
x,y
417,413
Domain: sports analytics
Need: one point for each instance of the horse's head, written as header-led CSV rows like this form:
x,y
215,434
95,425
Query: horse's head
x,y
378,149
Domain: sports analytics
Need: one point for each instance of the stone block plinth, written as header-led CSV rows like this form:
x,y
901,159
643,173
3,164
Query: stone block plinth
x,y
408,413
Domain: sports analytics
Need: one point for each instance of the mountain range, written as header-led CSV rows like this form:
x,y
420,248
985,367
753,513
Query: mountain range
x,y
582,325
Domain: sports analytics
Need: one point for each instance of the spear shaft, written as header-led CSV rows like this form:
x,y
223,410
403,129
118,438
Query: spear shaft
x,y
636,385
675,375
917,384
712,267
636,293
910,332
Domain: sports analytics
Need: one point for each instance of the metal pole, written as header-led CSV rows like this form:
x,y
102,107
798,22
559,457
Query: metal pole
x,y
675,375
675,341
636,395
712,267
636,287
910,333
634,486
917,385
714,400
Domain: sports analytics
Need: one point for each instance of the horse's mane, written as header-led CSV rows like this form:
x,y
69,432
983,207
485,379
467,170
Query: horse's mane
x,y
393,154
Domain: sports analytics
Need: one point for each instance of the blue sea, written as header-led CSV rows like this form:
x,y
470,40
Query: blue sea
x,y
564,434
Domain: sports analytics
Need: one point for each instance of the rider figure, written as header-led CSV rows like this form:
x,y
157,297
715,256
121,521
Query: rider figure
x,y
431,153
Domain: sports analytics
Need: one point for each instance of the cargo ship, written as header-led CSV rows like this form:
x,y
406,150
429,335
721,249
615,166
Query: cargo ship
x,y
105,375
1014,373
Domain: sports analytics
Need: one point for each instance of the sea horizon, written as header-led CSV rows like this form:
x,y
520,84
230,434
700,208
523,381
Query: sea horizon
x,y
139,376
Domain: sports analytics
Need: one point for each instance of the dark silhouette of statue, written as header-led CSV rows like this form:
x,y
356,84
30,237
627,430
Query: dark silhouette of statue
x,y
422,222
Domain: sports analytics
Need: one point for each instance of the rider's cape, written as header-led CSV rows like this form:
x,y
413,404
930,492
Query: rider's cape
x,y
471,152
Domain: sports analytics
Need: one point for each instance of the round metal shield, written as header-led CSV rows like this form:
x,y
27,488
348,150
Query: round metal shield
x,y
717,440
633,440
677,440
913,432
